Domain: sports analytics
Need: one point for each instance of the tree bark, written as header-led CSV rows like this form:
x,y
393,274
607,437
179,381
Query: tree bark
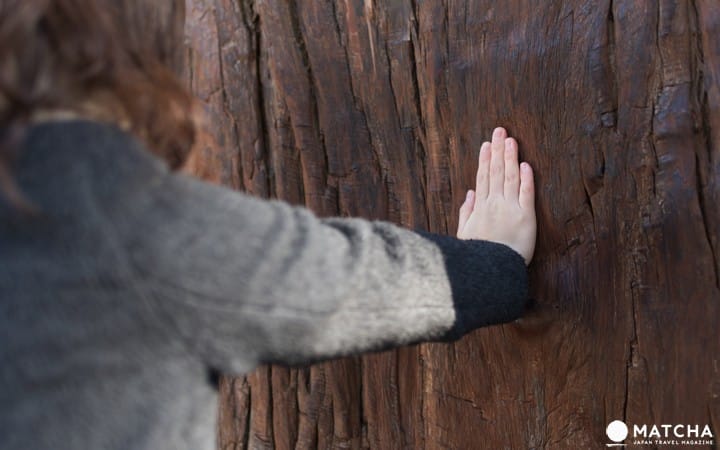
x,y
378,110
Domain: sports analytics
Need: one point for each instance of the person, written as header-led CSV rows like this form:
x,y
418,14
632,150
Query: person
x,y
125,283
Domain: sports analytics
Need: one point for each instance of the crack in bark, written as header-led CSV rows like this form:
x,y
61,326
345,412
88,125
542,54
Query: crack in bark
x,y
423,419
248,416
697,53
609,118
398,400
446,23
265,154
419,133
251,19
461,399
271,407
312,95
705,220
363,417
390,83
629,364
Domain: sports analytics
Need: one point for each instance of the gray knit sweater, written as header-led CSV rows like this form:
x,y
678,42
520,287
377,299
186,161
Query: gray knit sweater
x,y
135,282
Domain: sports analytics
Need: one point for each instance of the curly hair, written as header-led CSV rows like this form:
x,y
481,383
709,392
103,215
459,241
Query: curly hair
x,y
114,60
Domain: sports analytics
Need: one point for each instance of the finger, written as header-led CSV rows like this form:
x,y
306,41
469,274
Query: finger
x,y
497,162
512,170
465,211
527,187
481,182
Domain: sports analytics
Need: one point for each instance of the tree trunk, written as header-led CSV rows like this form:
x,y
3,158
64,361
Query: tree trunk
x,y
378,109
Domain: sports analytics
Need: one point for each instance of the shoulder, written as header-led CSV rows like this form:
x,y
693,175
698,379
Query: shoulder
x,y
75,160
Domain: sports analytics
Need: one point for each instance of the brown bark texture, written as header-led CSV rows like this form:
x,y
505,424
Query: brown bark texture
x,y
377,109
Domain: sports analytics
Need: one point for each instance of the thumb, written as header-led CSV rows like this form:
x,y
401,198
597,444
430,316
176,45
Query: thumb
x,y
465,210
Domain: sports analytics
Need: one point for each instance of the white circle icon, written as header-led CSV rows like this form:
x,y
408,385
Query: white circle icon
x,y
617,431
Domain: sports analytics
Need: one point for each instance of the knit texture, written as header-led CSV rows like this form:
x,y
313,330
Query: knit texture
x,y
134,286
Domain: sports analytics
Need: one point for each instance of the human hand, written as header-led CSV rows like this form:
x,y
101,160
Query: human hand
x,y
502,206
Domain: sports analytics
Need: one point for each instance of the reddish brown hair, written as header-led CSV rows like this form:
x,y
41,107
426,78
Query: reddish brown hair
x,y
110,59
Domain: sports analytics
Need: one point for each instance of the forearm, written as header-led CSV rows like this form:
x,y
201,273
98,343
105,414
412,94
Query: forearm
x,y
425,287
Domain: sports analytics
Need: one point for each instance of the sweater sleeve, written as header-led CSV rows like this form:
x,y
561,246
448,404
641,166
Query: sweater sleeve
x,y
246,281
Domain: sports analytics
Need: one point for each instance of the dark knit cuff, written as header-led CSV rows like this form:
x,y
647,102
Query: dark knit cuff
x,y
489,282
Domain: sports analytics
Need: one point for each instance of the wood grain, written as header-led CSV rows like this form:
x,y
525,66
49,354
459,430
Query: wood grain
x,y
378,110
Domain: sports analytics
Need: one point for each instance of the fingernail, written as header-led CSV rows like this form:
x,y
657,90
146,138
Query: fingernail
x,y
468,196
